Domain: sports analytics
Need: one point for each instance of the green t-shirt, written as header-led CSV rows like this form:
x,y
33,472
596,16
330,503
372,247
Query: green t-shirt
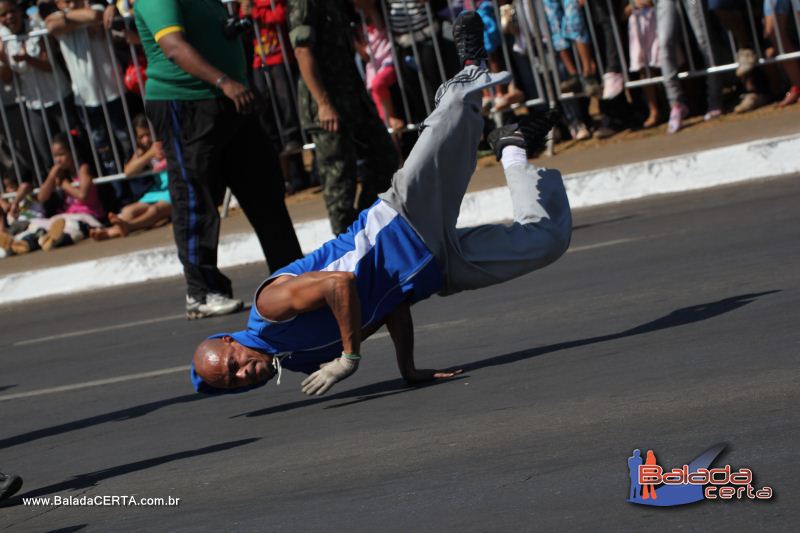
x,y
201,21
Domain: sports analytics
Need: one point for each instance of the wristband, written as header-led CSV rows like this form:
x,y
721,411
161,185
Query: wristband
x,y
220,80
351,356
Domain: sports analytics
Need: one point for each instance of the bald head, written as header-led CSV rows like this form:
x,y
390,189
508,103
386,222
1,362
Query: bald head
x,y
223,363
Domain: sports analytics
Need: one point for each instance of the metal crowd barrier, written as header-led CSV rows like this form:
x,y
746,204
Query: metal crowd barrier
x,y
532,51
31,157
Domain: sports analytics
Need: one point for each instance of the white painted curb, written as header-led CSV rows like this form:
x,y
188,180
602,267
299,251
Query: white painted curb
x,y
698,170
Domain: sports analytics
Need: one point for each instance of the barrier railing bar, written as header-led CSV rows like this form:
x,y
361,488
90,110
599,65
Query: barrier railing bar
x,y
112,137
533,61
503,43
260,51
590,22
96,181
45,119
713,70
423,85
687,46
618,42
397,65
638,29
756,36
436,51
61,95
704,23
11,147
117,74
289,73
535,28
23,109
796,15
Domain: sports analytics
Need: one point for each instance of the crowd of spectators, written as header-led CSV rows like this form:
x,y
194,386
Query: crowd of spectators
x,y
309,63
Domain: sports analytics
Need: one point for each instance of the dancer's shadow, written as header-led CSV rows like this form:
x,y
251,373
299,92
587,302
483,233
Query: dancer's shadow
x,y
114,416
679,317
82,481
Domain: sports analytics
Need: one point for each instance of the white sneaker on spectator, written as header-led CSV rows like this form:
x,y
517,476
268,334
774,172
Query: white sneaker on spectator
x,y
746,59
580,132
712,114
750,101
676,116
215,305
613,84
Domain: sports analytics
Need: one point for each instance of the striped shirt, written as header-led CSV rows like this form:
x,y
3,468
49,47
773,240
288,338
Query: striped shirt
x,y
391,265
408,16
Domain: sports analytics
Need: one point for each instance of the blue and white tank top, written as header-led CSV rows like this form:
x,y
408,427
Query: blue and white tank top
x,y
391,264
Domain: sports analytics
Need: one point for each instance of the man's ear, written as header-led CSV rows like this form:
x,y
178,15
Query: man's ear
x,y
227,339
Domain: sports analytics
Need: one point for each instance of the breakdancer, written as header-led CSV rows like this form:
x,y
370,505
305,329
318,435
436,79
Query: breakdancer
x,y
312,315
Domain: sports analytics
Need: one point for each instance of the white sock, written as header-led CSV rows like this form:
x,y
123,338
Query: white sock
x,y
513,155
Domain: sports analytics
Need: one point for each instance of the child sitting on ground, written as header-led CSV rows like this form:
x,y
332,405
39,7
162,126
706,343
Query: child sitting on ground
x,y
79,205
154,207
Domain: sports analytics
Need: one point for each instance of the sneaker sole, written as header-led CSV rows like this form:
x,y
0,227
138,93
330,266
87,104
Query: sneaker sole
x,y
197,314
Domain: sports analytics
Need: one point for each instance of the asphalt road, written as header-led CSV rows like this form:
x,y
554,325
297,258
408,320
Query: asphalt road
x,y
672,325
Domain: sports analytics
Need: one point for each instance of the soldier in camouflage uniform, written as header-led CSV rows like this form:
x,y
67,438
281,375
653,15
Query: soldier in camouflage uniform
x,y
336,109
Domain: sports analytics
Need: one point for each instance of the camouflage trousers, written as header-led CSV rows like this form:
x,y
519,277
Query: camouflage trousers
x,y
337,154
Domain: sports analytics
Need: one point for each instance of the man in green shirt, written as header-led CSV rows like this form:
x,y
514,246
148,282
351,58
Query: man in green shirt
x,y
336,109
199,103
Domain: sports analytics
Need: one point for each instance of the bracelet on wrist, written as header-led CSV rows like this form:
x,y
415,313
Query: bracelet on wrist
x,y
351,356
221,80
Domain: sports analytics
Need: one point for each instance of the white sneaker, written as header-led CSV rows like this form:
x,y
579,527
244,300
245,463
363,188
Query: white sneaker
x,y
215,305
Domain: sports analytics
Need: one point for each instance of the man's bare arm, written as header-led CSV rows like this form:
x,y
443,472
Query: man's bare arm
x,y
61,22
287,297
401,329
327,115
179,51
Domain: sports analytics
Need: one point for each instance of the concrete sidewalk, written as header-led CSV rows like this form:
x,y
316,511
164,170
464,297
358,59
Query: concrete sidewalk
x,y
633,164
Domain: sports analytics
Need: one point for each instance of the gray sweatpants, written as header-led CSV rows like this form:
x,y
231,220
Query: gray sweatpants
x,y
429,188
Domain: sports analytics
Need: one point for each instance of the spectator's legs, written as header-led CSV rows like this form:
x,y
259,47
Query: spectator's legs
x,y
193,133
602,19
792,68
18,142
41,143
382,96
694,11
254,176
286,110
374,144
668,28
336,161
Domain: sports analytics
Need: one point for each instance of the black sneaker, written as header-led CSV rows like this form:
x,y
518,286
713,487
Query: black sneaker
x,y
468,36
9,485
529,133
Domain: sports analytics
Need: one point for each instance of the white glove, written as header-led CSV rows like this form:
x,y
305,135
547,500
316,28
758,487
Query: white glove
x,y
329,374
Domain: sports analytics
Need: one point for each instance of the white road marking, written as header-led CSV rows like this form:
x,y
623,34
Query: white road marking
x,y
166,371
177,369
97,330
96,383
105,328
603,244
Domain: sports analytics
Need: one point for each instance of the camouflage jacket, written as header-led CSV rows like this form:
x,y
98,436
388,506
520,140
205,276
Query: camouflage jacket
x,y
325,27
